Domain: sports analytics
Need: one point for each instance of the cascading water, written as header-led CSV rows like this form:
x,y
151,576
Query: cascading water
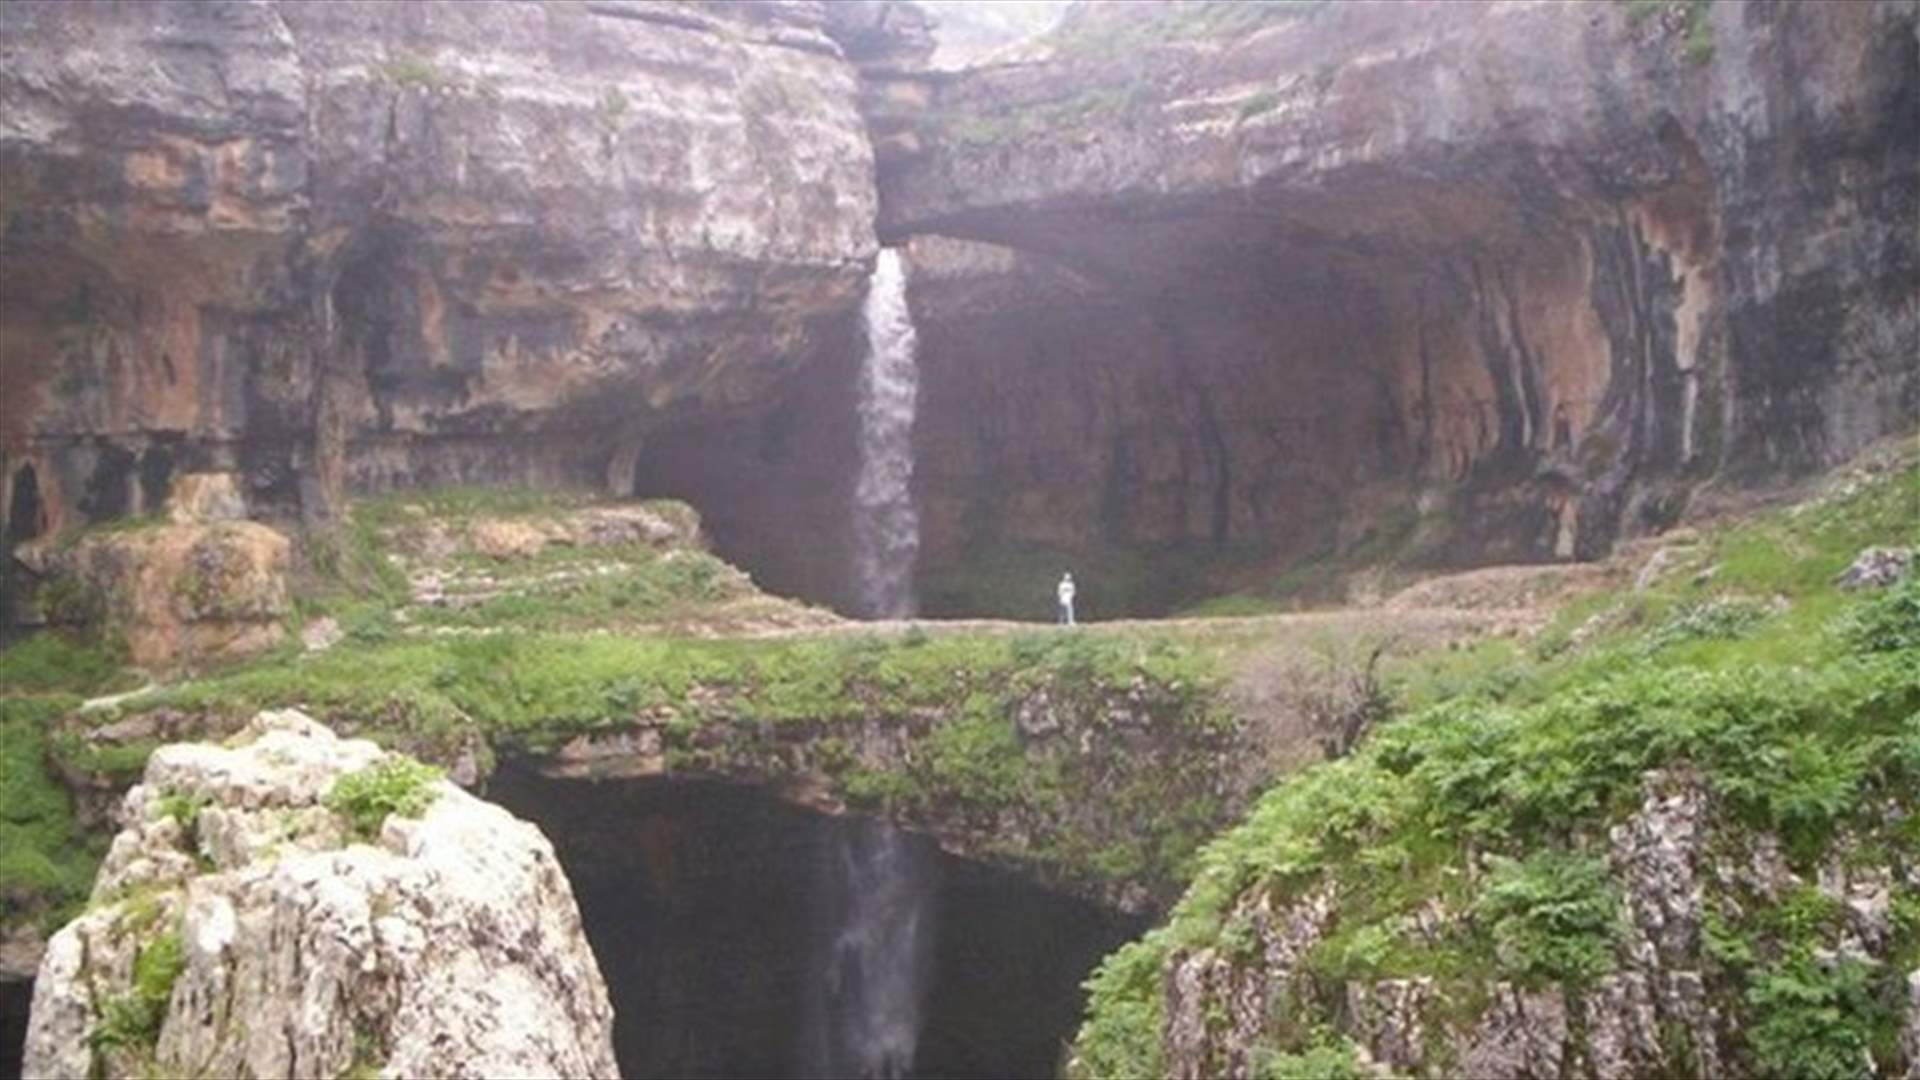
x,y
879,890
886,528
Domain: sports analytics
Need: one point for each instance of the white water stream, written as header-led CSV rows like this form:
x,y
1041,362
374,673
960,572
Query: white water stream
x,y
877,962
886,528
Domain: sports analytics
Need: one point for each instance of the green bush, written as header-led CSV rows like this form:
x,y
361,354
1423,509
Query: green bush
x,y
1712,620
1889,621
1814,1021
1326,1057
1121,1037
394,785
1553,916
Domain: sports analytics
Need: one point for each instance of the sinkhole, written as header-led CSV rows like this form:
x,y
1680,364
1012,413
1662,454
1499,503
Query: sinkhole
x,y
719,921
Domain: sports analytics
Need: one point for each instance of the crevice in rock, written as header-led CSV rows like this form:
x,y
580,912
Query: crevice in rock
x,y
15,998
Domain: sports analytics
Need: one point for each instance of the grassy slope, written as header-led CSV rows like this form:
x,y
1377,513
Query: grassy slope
x,y
1800,705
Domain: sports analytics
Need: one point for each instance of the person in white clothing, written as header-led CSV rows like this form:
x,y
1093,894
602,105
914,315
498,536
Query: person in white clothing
x,y
1066,599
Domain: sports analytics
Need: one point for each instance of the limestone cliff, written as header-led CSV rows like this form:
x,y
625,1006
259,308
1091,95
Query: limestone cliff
x,y
298,905
379,244
1295,277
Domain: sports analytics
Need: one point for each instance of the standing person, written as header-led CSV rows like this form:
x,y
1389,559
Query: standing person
x,y
1065,592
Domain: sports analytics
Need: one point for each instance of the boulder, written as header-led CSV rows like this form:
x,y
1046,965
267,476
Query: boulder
x,y
181,594
241,926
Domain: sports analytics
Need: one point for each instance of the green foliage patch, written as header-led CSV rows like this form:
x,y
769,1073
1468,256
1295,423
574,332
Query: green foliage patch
x,y
395,785
58,662
1801,718
1553,915
46,863
131,1021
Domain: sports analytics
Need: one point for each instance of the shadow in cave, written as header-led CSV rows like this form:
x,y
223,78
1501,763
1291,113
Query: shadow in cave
x,y
15,997
702,903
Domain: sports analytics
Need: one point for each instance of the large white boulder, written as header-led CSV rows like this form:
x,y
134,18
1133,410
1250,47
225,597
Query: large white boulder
x,y
239,928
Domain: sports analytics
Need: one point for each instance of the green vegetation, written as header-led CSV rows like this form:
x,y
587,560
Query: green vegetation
x,y
1105,37
770,707
608,587
1694,14
1492,796
1099,108
1815,1020
1325,1057
131,1021
395,785
412,71
1259,104
46,863
59,663
1552,916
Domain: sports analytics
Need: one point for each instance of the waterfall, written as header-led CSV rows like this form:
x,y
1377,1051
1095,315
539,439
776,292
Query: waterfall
x,y
879,905
886,529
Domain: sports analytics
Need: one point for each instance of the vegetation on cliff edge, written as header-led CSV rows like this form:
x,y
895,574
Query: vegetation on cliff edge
x,y
1493,795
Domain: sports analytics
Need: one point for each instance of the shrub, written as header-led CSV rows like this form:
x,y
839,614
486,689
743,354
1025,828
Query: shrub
x,y
1326,1057
1889,621
1122,1034
1553,915
395,785
1712,620
1813,1021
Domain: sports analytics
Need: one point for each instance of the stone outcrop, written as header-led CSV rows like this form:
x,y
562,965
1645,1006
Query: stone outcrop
x,y
1088,785
1467,282
372,245
177,594
239,928
1663,1009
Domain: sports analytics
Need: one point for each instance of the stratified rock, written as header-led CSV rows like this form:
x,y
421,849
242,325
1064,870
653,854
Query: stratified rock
x,y
180,594
1521,1034
393,244
204,497
1476,281
449,946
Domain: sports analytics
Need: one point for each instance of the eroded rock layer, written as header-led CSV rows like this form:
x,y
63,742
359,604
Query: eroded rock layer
x,y
1294,277
390,245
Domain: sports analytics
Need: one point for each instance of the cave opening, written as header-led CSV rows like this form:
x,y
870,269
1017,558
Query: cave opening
x,y
712,912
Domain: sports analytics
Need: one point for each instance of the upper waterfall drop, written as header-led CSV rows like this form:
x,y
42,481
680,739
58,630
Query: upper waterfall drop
x,y
886,527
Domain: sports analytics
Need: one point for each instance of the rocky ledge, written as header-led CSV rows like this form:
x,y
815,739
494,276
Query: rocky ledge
x,y
293,904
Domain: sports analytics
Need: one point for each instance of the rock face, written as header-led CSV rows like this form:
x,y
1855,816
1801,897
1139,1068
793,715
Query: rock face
x,y
237,929
180,594
1297,278
1664,1009
380,245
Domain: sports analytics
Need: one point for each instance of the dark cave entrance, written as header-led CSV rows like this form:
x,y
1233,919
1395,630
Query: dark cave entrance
x,y
702,903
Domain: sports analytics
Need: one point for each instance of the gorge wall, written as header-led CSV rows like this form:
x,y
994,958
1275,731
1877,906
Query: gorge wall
x,y
366,245
1466,282
1204,289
